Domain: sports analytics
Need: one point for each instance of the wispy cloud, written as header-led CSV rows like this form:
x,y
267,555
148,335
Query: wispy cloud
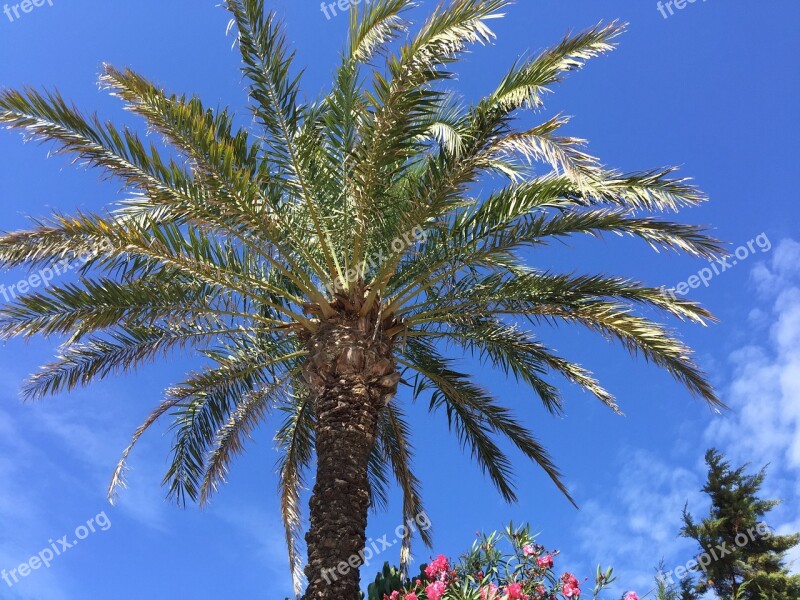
x,y
56,458
26,522
66,449
635,526
95,438
765,390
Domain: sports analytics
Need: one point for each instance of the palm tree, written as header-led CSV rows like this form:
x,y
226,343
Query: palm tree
x,y
326,254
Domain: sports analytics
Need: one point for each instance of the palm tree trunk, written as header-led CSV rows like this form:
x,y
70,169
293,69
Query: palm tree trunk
x,y
351,373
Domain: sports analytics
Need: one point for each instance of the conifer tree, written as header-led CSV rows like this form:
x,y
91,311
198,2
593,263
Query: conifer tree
x,y
670,590
686,590
741,556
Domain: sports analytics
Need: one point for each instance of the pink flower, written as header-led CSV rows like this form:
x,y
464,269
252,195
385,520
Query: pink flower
x,y
436,590
514,592
570,579
540,590
571,585
631,596
545,561
411,596
528,550
395,595
489,592
437,567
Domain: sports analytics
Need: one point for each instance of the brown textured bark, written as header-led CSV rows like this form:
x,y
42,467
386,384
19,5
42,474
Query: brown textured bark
x,y
352,375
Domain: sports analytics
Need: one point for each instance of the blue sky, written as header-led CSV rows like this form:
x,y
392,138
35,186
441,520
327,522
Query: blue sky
x,y
712,88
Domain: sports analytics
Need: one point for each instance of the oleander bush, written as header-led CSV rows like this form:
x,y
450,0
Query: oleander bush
x,y
507,565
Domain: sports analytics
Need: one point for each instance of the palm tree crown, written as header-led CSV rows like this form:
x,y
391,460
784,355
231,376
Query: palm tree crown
x,y
361,208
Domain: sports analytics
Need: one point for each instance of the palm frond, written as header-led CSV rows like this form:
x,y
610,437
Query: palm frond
x,y
526,83
514,351
475,416
207,400
295,439
227,163
565,155
380,23
230,438
395,436
119,352
274,92
379,478
641,336
385,150
96,304
118,478
47,117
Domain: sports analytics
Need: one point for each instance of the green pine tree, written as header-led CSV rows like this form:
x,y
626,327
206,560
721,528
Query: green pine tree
x,y
742,557
667,589
684,590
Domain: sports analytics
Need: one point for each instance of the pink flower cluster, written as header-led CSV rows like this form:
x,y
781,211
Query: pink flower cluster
x,y
490,592
440,576
437,571
524,574
513,591
438,568
436,590
545,562
396,596
570,587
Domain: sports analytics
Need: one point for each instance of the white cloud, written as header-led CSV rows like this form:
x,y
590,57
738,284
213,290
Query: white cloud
x,y
636,524
781,272
764,426
95,439
56,458
26,524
